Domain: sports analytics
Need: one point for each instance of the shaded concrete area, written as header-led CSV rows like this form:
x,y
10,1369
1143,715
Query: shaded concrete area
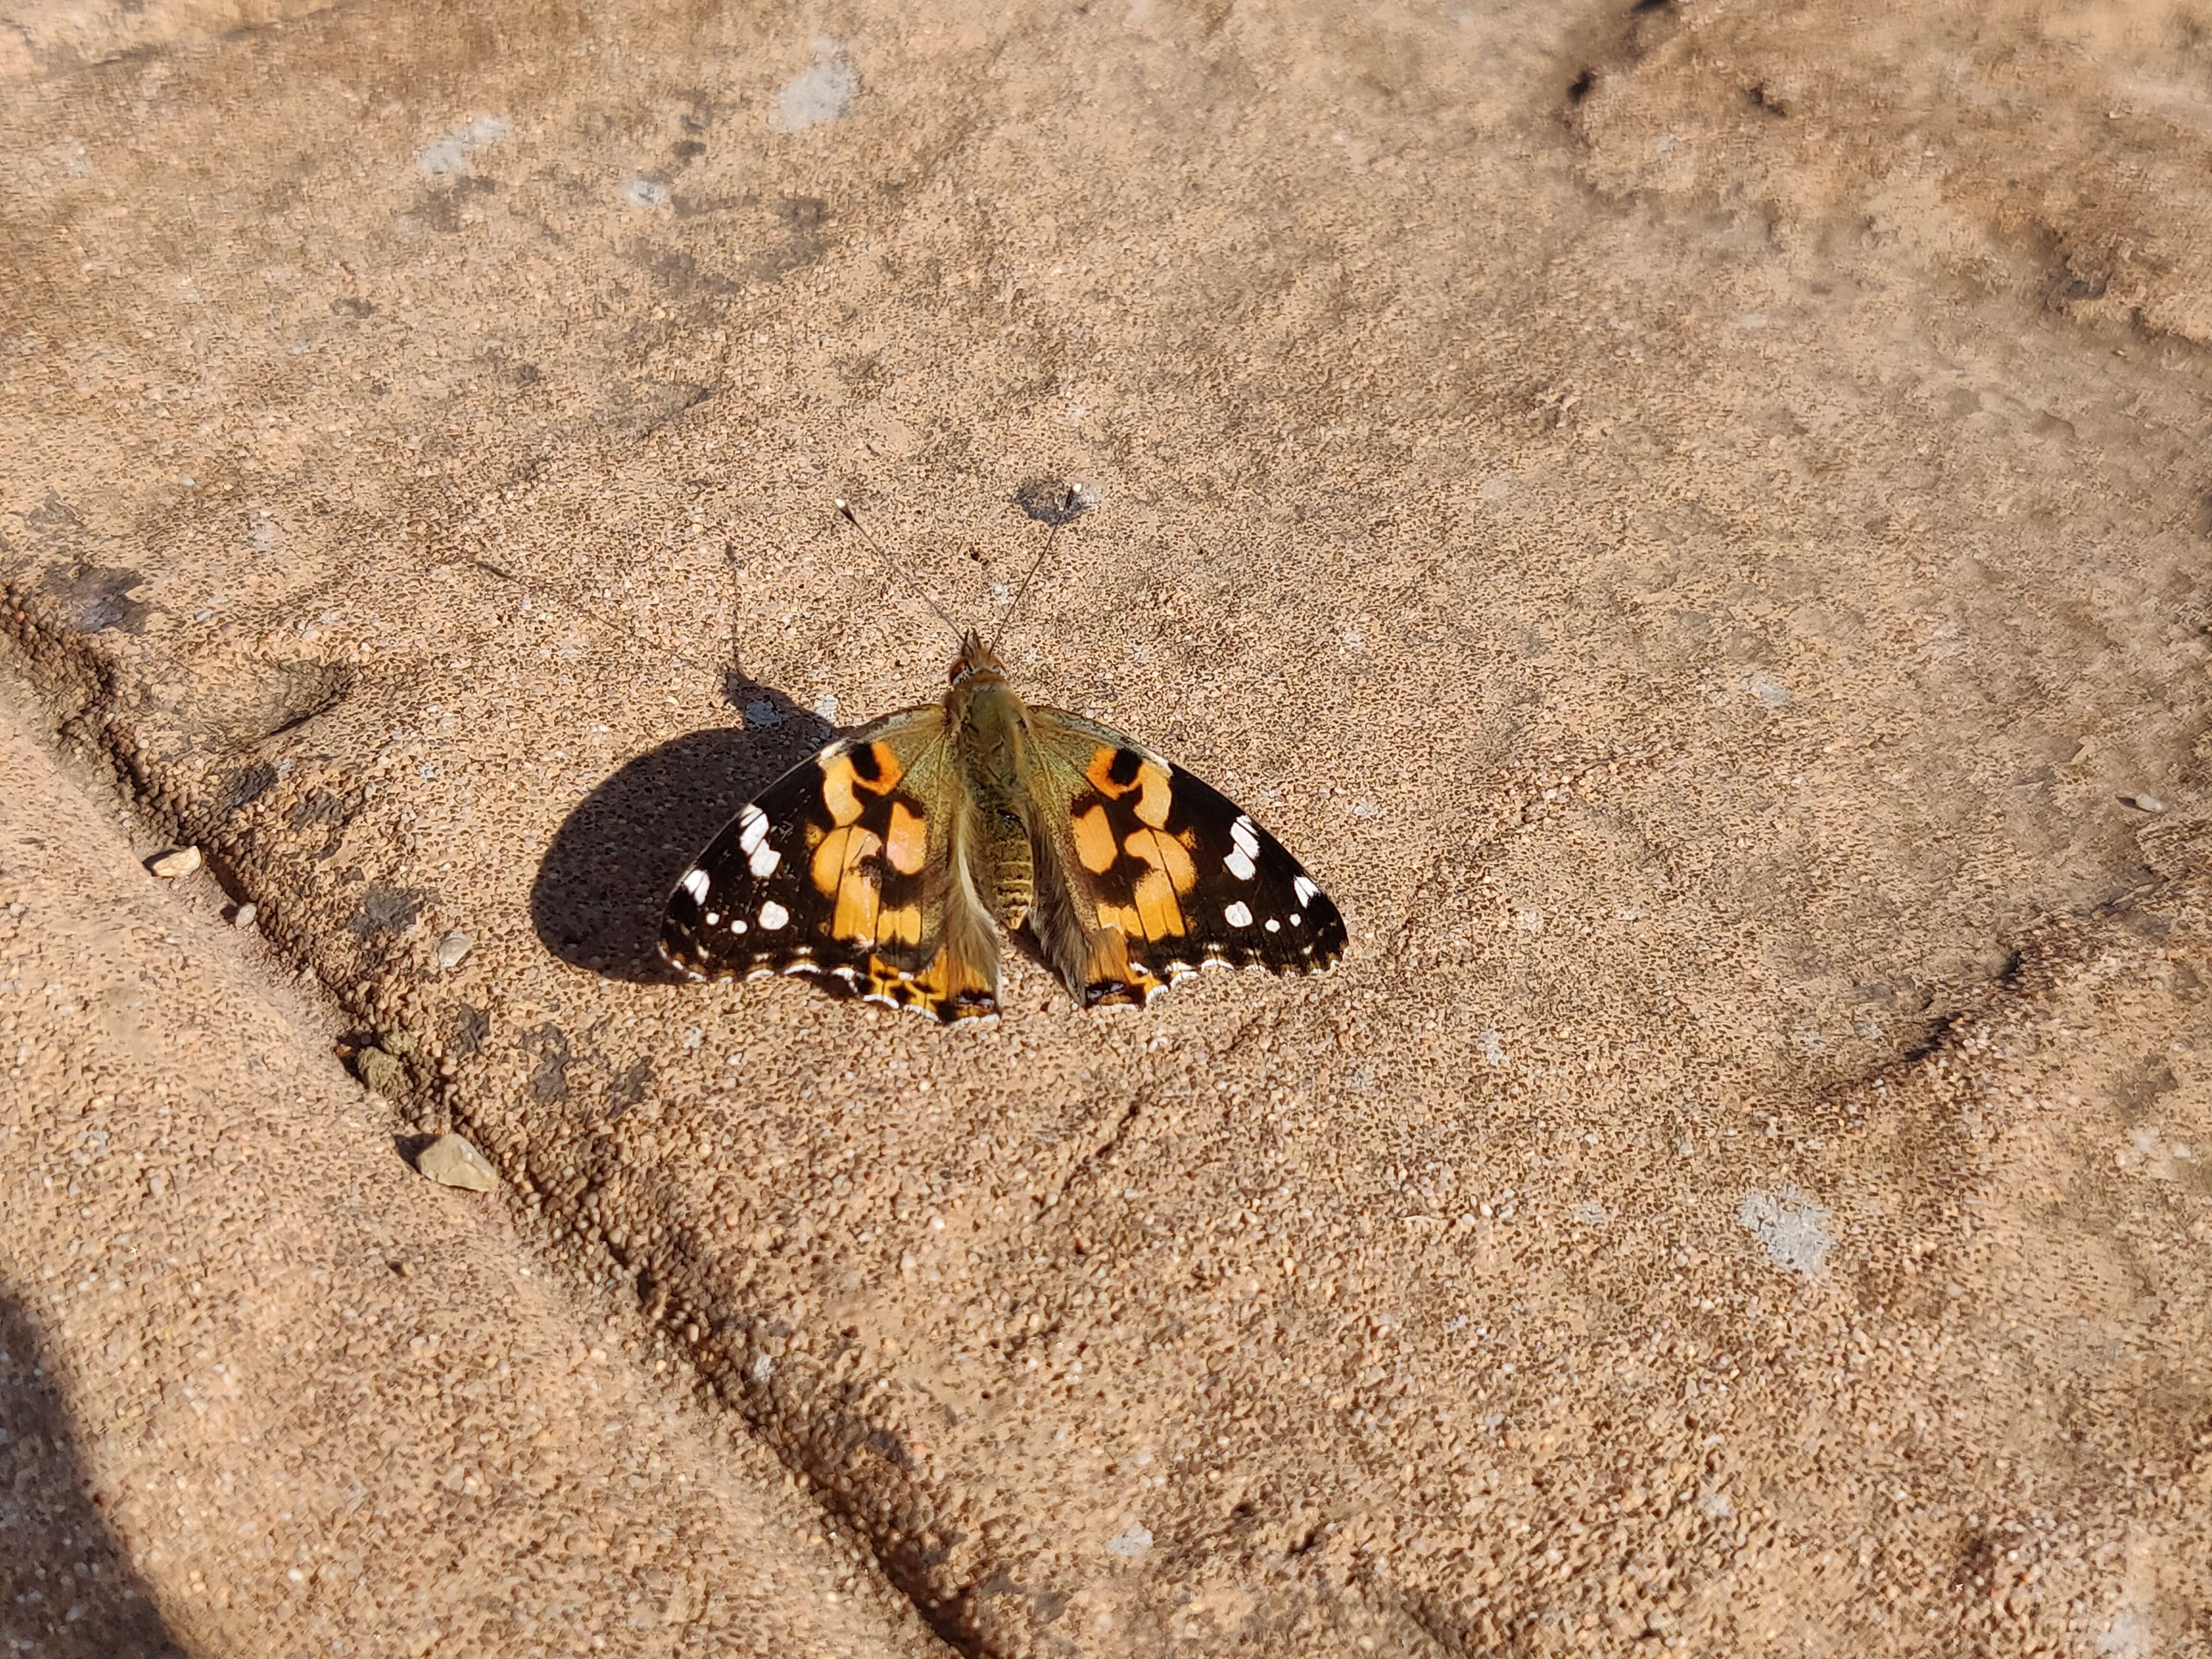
x,y
1687,520
70,1584
267,1390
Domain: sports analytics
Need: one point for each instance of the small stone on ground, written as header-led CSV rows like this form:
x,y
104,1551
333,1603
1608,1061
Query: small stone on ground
x,y
452,1162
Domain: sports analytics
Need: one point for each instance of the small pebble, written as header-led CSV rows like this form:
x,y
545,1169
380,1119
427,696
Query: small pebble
x,y
455,945
244,915
177,861
2143,803
452,1162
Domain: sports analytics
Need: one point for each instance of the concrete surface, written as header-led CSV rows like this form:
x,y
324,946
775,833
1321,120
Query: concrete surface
x,y
266,1390
1688,520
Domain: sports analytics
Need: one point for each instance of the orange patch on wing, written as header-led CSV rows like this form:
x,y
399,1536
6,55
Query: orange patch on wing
x,y
908,844
951,988
857,901
839,851
1108,975
1168,855
1122,918
1094,840
1156,905
836,871
1100,774
842,781
900,926
1150,786
1152,796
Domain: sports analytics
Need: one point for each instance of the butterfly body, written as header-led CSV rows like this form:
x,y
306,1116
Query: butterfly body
x,y
887,864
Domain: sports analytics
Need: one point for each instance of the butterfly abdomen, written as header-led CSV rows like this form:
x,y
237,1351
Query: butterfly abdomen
x,y
1012,865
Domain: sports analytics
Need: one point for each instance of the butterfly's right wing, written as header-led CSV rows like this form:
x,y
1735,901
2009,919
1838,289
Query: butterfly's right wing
x,y
1145,874
843,868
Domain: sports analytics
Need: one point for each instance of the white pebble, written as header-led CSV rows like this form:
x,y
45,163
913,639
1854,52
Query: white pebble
x,y
452,1162
177,861
1131,1544
455,945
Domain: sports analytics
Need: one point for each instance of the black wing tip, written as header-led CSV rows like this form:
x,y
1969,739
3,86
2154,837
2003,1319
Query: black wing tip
x,y
1329,937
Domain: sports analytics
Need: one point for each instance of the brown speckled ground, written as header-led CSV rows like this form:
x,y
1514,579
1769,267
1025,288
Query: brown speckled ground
x,y
265,1390
1688,520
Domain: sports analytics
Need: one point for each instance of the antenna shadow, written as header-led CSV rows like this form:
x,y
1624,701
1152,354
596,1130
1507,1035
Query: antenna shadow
x,y
605,877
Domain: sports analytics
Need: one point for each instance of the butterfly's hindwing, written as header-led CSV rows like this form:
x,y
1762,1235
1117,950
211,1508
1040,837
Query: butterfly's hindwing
x,y
838,870
1181,876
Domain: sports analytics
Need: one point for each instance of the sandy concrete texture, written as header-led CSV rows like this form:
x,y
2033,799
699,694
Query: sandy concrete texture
x,y
1690,521
265,1390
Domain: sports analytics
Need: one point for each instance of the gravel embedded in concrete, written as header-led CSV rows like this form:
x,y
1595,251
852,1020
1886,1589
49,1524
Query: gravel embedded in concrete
x,y
260,1397
1682,515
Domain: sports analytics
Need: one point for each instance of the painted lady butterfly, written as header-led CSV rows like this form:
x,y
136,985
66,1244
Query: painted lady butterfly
x,y
886,864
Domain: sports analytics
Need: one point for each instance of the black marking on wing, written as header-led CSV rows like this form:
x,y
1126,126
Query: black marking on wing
x,y
714,925
1309,933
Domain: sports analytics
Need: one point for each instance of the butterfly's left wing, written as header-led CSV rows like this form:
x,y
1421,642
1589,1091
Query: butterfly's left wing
x,y
842,870
1144,873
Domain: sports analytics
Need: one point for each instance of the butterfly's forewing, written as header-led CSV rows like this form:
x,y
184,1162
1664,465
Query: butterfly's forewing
x,y
840,869
1181,876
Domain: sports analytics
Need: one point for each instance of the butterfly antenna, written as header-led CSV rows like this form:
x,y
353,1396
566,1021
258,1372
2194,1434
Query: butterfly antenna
x,y
845,511
1071,506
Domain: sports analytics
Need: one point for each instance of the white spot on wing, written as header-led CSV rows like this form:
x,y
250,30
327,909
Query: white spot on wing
x,y
713,917
1246,837
1306,890
763,861
736,924
1240,864
695,884
773,916
753,827
1237,915
1297,920
1274,927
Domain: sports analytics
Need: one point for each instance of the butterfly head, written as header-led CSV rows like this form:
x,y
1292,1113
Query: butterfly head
x,y
977,664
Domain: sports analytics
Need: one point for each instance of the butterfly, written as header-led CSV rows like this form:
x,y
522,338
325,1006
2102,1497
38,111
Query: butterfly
x,y
885,865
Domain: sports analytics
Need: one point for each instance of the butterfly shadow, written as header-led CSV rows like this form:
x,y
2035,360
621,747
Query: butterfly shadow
x,y
605,877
